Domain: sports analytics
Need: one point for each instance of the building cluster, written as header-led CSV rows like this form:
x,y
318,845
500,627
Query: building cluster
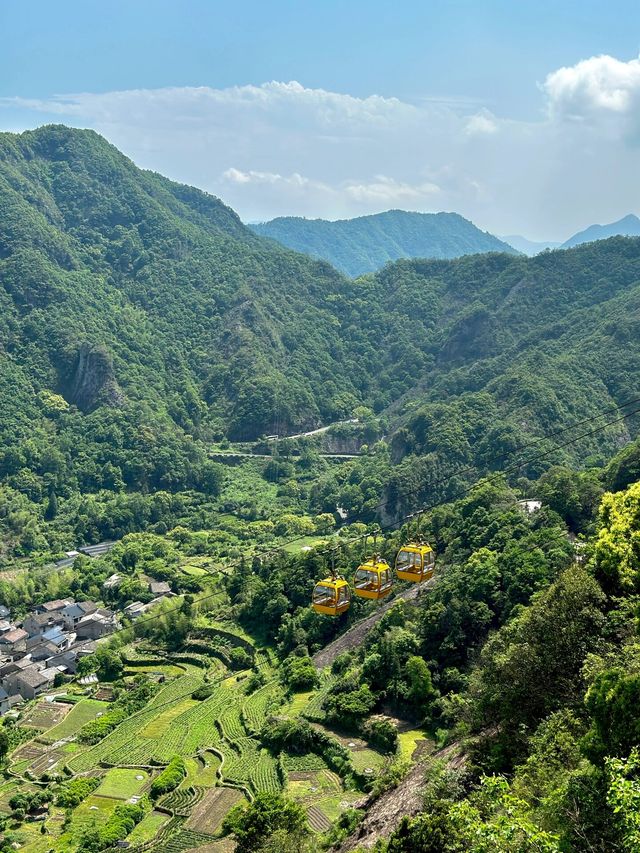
x,y
50,640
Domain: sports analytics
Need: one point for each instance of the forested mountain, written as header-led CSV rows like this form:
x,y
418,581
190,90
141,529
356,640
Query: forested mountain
x,y
144,328
367,243
139,320
628,226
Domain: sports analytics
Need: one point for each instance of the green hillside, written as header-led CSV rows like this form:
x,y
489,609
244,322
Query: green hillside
x,y
148,342
141,321
367,243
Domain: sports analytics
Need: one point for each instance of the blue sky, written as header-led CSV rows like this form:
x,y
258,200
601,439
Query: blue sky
x,y
336,109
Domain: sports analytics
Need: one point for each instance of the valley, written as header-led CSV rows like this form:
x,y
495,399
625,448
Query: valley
x,y
197,424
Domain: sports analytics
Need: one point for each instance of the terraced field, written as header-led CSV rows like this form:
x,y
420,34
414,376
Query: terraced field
x,y
217,737
71,723
257,706
212,809
322,794
45,715
126,745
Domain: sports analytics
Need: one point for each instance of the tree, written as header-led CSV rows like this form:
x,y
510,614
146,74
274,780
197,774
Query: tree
x,y
4,742
623,797
299,673
421,691
253,825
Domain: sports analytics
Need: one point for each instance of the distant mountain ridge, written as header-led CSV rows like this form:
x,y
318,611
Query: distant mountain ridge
x,y
529,247
628,226
366,243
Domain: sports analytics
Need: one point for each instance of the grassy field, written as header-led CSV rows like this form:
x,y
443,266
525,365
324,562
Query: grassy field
x,y
160,724
122,783
168,669
201,770
83,712
367,761
94,811
298,703
304,543
148,828
408,741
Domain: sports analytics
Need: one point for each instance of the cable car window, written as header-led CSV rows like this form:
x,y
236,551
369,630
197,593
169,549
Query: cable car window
x,y
323,595
363,578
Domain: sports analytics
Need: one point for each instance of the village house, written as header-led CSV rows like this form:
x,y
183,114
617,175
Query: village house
x,y
4,612
42,651
57,637
35,624
95,625
134,610
5,705
30,682
76,611
13,642
159,588
53,606
65,661
9,672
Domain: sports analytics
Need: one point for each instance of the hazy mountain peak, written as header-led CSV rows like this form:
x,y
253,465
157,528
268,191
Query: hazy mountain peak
x,y
628,226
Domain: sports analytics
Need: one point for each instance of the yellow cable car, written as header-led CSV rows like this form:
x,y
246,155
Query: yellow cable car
x,y
331,596
415,562
373,578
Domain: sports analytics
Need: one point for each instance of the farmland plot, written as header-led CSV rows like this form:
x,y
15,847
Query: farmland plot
x,y
45,715
211,811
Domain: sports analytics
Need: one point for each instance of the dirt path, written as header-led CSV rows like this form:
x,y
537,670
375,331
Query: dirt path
x,y
355,635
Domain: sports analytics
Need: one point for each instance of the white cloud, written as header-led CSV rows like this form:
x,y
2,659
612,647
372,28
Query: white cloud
x,y
482,123
282,148
595,87
385,190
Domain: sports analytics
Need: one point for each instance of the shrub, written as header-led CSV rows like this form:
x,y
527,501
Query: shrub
x,y
382,734
170,778
73,792
299,673
204,691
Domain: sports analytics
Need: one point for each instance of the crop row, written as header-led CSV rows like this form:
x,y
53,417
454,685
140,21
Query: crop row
x,y
184,839
264,775
183,800
307,762
193,729
123,745
231,725
257,706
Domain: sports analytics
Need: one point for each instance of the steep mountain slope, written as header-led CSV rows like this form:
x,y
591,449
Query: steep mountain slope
x,y
121,287
628,226
367,243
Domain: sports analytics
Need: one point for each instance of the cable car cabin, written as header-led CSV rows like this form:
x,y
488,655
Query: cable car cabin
x,y
373,579
415,562
331,596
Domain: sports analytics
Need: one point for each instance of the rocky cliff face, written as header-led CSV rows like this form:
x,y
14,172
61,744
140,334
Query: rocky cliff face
x,y
93,381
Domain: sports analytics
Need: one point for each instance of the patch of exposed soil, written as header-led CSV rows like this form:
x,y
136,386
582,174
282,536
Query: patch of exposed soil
x,y
384,814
